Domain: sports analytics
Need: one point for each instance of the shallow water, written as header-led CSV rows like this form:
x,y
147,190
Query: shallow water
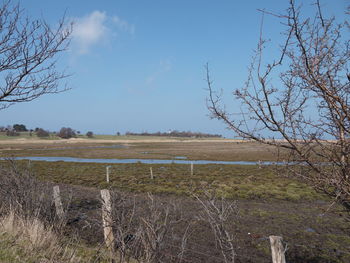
x,y
147,161
180,157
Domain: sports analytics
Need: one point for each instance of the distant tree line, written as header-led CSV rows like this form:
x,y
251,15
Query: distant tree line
x,y
64,132
20,127
176,133
42,133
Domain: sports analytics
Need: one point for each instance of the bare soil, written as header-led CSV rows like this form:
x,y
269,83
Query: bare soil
x,y
312,231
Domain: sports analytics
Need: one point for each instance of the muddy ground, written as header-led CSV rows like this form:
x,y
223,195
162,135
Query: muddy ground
x,y
312,231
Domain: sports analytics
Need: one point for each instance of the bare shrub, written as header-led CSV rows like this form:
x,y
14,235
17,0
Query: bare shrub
x,y
155,229
124,224
21,192
29,226
221,215
147,230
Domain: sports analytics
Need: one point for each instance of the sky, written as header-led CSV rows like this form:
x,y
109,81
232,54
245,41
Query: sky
x,y
139,65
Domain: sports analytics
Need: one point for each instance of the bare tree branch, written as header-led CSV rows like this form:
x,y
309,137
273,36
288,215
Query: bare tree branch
x,y
304,110
28,55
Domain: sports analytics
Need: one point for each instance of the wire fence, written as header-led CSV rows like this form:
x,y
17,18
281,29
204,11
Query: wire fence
x,y
175,251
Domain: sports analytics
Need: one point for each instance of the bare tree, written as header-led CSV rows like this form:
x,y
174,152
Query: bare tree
x,y
28,52
66,133
299,102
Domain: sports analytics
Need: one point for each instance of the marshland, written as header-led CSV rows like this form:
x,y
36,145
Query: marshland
x,y
178,131
267,200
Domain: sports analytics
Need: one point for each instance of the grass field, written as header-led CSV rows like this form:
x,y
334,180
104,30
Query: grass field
x,y
230,181
269,201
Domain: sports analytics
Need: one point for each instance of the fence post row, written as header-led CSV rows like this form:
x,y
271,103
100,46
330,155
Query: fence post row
x,y
277,249
107,173
151,172
107,220
58,202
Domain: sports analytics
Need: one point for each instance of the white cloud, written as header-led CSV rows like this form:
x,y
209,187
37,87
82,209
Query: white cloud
x,y
95,29
123,25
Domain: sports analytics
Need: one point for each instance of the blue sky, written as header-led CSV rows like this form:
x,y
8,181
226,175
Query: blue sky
x,y
139,65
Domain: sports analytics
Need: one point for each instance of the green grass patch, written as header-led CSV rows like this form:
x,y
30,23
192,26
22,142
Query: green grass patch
x,y
231,181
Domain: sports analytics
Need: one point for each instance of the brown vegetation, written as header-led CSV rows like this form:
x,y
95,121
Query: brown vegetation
x,y
221,150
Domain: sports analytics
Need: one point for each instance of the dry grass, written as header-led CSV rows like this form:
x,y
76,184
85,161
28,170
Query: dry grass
x,y
29,240
223,150
31,230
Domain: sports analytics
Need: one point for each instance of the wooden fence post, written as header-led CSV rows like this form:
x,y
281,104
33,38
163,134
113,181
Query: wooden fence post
x,y
151,173
58,202
191,168
107,221
107,174
277,249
